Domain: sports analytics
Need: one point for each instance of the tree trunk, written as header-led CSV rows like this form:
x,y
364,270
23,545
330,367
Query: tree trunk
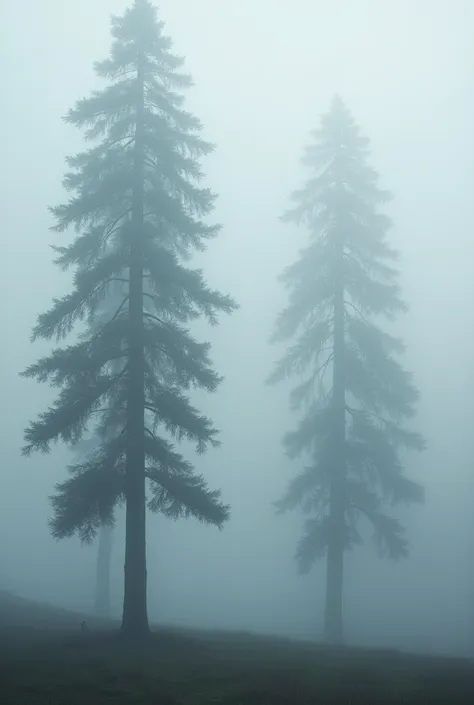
x,y
333,625
135,618
102,587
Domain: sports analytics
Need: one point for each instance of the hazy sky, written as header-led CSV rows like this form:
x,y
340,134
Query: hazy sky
x,y
264,72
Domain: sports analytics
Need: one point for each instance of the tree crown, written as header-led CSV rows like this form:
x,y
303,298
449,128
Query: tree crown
x,y
92,373
348,243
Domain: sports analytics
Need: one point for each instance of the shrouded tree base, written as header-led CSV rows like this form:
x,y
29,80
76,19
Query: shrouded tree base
x,y
135,618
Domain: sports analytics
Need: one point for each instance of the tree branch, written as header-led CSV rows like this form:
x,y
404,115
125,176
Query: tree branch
x,y
146,314
109,322
349,303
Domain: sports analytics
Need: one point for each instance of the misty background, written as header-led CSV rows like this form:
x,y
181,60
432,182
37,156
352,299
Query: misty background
x,y
265,71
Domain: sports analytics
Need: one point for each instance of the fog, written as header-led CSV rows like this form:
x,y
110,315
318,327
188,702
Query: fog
x,y
264,72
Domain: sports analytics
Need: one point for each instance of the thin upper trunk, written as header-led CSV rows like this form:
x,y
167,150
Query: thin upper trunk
x,y
102,587
333,629
135,618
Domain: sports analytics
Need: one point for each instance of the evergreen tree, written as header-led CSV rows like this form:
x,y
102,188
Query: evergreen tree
x,y
354,394
138,212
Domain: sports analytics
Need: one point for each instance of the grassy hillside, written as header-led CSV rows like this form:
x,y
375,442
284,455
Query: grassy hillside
x,y
19,616
44,659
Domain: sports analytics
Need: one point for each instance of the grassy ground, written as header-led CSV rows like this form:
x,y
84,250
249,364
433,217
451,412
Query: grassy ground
x,y
45,660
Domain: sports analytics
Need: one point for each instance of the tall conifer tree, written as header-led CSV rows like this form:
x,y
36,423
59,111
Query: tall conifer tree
x,y
138,212
355,394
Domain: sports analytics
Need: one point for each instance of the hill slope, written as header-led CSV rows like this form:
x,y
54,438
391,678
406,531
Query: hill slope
x,y
44,658
21,616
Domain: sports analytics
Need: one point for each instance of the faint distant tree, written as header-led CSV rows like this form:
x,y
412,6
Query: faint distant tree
x,y
354,392
138,212
102,583
84,451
